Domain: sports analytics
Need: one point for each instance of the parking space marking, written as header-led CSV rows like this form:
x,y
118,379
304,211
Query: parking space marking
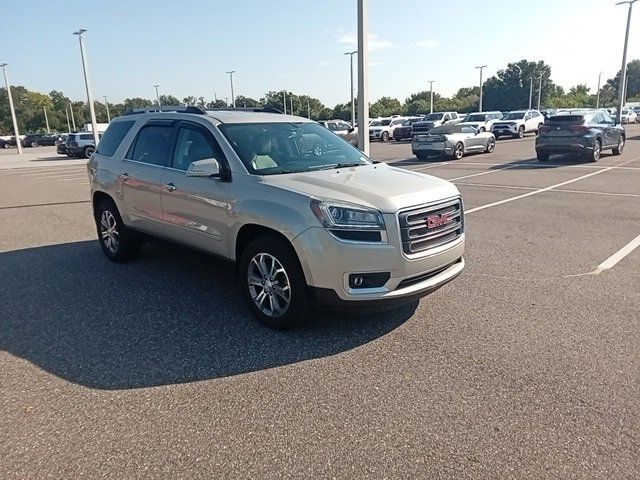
x,y
71,179
614,259
509,167
426,167
545,189
513,187
53,175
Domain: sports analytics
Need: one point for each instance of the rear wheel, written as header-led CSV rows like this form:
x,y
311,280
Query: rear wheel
x,y
34,144
618,150
116,241
594,155
542,156
458,151
422,156
88,152
273,283
384,137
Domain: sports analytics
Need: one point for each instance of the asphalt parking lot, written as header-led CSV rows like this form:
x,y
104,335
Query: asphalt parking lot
x,y
525,367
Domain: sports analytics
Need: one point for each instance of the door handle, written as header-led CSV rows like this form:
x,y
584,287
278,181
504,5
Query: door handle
x,y
124,177
169,186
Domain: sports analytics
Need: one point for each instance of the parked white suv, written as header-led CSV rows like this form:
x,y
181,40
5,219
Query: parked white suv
x,y
482,121
383,128
518,123
307,218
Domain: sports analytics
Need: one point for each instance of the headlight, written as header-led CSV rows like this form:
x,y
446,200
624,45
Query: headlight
x,y
345,216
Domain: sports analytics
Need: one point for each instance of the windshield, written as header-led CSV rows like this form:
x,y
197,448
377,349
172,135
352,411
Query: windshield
x,y
514,116
276,148
475,118
380,123
433,116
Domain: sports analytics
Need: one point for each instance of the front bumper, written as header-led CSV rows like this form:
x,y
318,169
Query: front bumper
x,y
505,130
375,135
328,262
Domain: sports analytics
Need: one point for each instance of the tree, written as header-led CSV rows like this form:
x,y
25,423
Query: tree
x,y
169,100
509,89
242,101
136,102
633,76
417,107
383,107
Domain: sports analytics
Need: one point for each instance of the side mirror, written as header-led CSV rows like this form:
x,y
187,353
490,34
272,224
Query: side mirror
x,y
208,167
351,129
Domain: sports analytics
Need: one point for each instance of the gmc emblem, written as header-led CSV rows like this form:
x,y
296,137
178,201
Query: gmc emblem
x,y
434,221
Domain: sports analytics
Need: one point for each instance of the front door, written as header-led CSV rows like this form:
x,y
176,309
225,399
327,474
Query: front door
x,y
140,175
195,209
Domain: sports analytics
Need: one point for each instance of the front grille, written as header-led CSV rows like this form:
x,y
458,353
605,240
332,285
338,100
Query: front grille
x,y
418,234
421,128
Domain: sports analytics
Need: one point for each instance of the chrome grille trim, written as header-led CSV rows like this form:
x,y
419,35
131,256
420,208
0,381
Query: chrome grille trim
x,y
417,237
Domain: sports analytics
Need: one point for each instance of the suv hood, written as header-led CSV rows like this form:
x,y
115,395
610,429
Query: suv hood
x,y
378,186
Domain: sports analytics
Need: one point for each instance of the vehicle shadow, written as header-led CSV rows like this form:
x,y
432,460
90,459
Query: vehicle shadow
x,y
169,317
555,161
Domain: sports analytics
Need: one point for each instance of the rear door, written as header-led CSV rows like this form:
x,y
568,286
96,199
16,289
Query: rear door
x,y
195,209
141,174
610,134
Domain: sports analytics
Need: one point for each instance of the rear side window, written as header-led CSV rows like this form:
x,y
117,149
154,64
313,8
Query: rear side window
x,y
152,145
113,136
86,136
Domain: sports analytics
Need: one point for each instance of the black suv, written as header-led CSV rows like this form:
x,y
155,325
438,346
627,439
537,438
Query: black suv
x,y
39,139
585,134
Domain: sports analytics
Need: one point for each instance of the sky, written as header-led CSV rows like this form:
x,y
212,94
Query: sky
x,y
187,46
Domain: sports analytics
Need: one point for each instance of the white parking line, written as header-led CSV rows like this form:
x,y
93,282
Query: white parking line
x,y
54,175
513,187
510,167
545,189
619,255
84,177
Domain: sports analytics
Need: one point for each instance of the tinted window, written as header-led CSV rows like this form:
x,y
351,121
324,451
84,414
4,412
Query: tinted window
x,y
86,136
113,136
152,145
192,145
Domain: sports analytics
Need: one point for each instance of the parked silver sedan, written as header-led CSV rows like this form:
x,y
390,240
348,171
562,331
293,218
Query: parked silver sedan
x,y
452,140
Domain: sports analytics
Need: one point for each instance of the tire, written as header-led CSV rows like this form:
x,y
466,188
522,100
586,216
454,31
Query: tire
x,y
542,156
520,133
116,241
397,139
277,309
458,151
6,145
34,144
88,151
538,129
491,146
422,156
620,148
594,156
384,137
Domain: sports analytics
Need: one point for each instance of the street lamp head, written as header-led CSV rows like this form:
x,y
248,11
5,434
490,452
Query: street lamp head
x,y
156,86
630,2
80,31
482,66
351,53
3,65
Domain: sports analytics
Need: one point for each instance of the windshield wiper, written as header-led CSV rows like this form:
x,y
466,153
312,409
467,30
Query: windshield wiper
x,y
333,166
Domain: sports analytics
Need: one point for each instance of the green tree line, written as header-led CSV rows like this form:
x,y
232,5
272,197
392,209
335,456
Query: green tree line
x,y
507,90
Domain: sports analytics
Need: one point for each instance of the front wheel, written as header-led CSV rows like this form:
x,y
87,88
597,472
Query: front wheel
x,y
34,144
458,151
542,156
491,146
520,133
116,241
594,156
273,283
618,150
384,137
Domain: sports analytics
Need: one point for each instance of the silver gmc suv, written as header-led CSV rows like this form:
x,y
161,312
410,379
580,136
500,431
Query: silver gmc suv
x,y
307,218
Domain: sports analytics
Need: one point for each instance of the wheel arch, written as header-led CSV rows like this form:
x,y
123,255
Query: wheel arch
x,y
100,196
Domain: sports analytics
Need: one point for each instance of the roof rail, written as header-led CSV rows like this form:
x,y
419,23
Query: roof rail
x,y
166,108
245,109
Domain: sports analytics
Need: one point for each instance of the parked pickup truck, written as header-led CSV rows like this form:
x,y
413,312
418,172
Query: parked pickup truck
x,y
307,218
435,120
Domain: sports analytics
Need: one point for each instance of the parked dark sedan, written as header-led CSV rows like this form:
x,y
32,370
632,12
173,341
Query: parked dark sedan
x,y
404,131
586,134
11,142
39,139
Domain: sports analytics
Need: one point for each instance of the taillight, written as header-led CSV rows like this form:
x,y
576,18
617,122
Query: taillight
x,y
578,128
544,129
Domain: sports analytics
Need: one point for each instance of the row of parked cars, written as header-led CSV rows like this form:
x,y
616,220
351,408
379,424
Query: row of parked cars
x,y
77,144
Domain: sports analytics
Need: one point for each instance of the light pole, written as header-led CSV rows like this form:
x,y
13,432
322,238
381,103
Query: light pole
x,y
291,104
73,117
106,104
92,111
539,91
431,95
353,102
157,95
309,109
623,72
363,76
284,101
13,111
233,97
626,88
598,95
46,119
530,92
481,67
66,112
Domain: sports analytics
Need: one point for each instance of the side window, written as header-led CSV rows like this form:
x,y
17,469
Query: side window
x,y
333,126
152,145
113,136
454,116
192,145
599,118
446,118
86,136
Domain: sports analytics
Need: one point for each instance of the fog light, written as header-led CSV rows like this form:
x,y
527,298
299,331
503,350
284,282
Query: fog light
x,y
368,280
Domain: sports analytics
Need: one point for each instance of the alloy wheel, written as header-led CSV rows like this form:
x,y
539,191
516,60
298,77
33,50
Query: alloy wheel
x,y
109,231
269,285
596,152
